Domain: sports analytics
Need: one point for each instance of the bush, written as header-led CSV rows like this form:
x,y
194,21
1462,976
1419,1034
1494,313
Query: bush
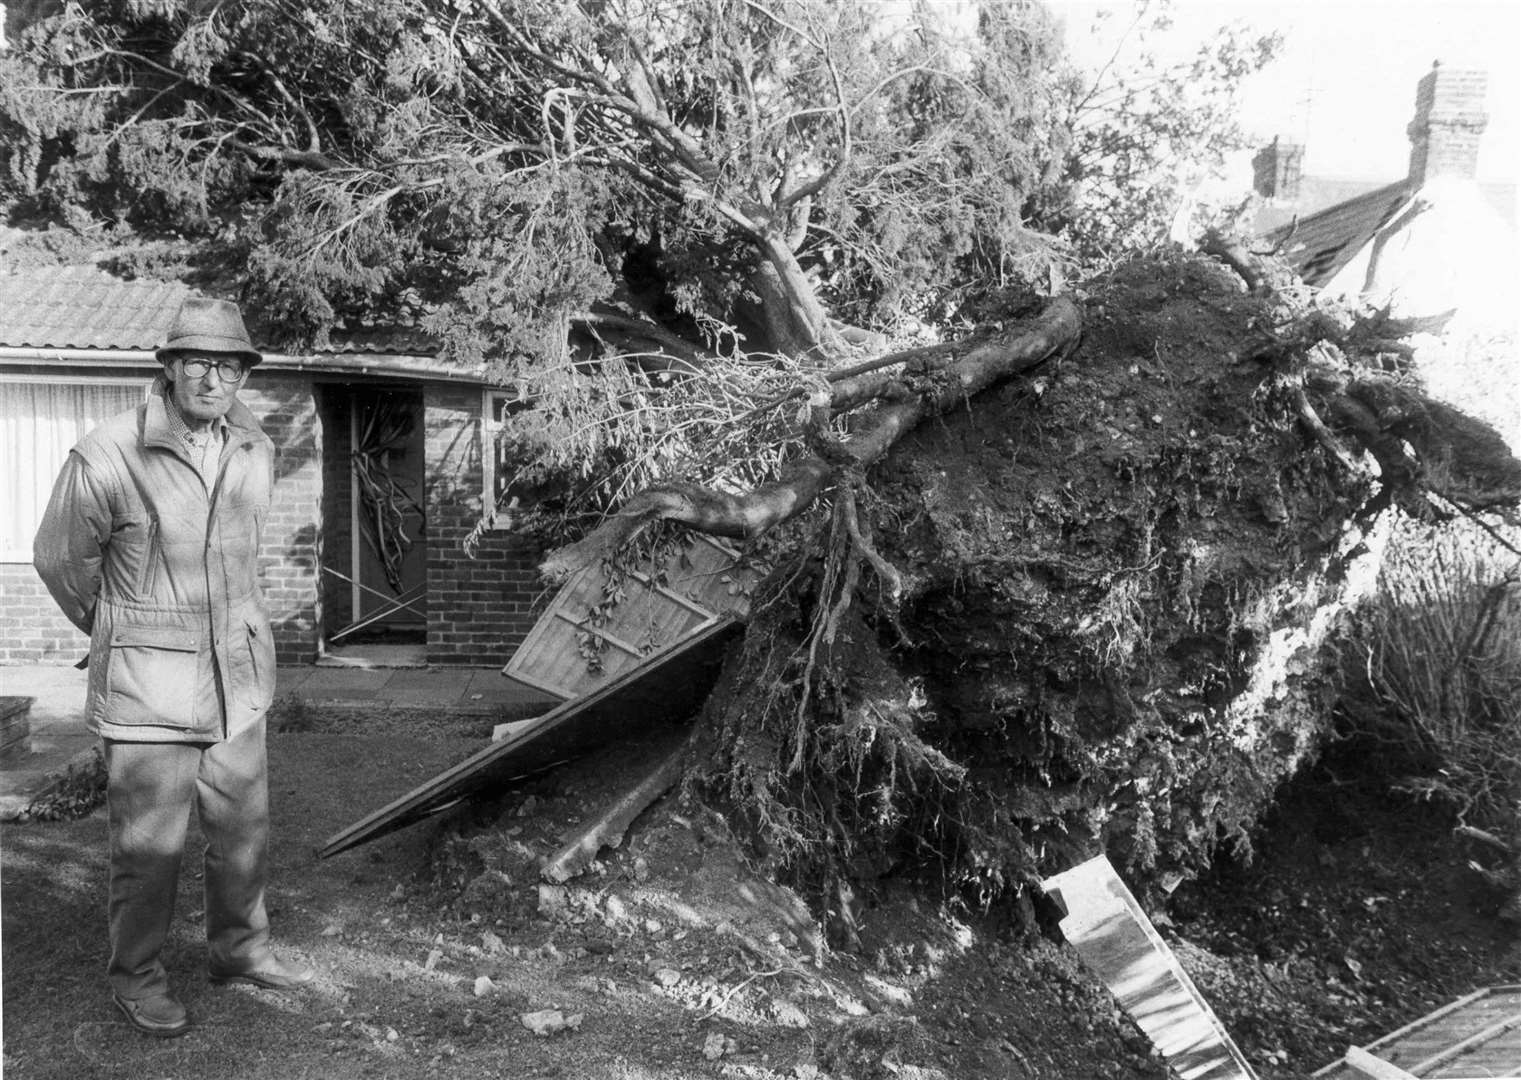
x,y
1434,671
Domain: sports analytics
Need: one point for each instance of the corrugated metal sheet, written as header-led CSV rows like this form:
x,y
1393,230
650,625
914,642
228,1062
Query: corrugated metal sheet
x,y
1475,1036
1110,931
582,642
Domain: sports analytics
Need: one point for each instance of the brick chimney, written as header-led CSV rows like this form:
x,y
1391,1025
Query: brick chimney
x,y
1449,118
1276,169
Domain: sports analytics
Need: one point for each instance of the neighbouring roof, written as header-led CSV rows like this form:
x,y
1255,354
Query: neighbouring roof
x,y
82,308
1318,246
1330,211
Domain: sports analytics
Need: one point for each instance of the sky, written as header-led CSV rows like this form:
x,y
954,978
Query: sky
x,y
1344,84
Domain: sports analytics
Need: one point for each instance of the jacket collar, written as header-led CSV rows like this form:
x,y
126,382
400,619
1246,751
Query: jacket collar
x,y
158,431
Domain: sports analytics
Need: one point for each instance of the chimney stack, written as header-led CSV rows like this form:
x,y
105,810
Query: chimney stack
x,y
1276,169
1449,118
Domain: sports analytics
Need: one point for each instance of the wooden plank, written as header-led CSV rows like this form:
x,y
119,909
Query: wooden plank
x,y
1478,1035
1364,1064
607,636
607,829
1387,1044
666,688
699,582
1492,1038
1107,927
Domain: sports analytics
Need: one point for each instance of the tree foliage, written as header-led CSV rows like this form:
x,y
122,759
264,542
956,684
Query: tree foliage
x,y
722,194
701,180
1149,133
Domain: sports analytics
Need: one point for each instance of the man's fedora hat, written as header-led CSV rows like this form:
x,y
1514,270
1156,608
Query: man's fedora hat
x,y
209,326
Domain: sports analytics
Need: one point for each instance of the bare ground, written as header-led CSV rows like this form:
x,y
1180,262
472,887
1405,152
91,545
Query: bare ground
x,y
1357,916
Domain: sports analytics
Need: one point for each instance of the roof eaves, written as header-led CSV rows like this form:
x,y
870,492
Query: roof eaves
x,y
390,365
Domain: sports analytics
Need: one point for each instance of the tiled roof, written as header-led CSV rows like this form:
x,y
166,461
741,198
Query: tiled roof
x,y
1316,193
82,307
1321,244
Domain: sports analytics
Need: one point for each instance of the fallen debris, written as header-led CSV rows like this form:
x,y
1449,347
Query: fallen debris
x,y
547,1022
607,828
717,1044
667,689
1106,926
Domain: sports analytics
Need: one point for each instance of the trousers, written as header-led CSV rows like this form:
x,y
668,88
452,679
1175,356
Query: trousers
x,y
151,788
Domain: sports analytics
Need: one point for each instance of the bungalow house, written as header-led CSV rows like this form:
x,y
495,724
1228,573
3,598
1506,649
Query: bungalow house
x,y
384,463
1434,242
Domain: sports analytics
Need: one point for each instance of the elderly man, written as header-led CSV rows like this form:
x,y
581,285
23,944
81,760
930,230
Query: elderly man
x,y
150,545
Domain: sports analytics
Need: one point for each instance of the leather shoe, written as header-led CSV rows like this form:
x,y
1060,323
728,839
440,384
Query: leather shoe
x,y
271,973
158,1015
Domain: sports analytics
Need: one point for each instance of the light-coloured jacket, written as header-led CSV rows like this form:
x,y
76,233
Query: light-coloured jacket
x,y
162,573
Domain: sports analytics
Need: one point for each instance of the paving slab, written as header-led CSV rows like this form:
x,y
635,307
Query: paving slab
x,y
289,679
426,687
490,687
344,684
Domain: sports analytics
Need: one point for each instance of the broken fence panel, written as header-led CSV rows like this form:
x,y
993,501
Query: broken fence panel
x,y
666,689
581,643
1475,1036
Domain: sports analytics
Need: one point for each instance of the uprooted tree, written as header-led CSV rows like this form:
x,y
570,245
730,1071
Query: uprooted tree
x,y
1058,583
1093,612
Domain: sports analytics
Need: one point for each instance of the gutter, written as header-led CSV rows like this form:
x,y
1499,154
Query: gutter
x,y
394,365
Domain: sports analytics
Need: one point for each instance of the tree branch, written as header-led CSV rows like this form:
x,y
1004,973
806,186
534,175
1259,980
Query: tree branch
x,y
748,515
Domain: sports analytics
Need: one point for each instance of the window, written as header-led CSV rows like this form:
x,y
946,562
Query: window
x,y
39,423
497,491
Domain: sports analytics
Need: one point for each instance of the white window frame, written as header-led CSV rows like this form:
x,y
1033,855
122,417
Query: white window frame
x,y
145,381
490,427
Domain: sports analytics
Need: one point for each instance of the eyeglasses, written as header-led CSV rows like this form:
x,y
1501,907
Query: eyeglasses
x,y
229,371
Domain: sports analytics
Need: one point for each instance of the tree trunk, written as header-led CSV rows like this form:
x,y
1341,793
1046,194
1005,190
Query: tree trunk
x,y
795,320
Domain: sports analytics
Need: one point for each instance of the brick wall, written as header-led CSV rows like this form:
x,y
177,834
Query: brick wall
x,y
288,559
480,609
32,631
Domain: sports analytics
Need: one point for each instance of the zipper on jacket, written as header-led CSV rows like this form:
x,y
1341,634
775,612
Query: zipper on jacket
x,y
149,576
253,649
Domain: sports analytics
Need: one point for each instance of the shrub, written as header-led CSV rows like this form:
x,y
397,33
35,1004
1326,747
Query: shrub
x,y
1434,671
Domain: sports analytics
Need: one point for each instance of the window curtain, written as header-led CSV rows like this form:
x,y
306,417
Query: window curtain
x,y
39,423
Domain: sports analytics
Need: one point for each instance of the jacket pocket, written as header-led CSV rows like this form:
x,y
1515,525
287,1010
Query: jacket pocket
x,y
151,676
261,665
